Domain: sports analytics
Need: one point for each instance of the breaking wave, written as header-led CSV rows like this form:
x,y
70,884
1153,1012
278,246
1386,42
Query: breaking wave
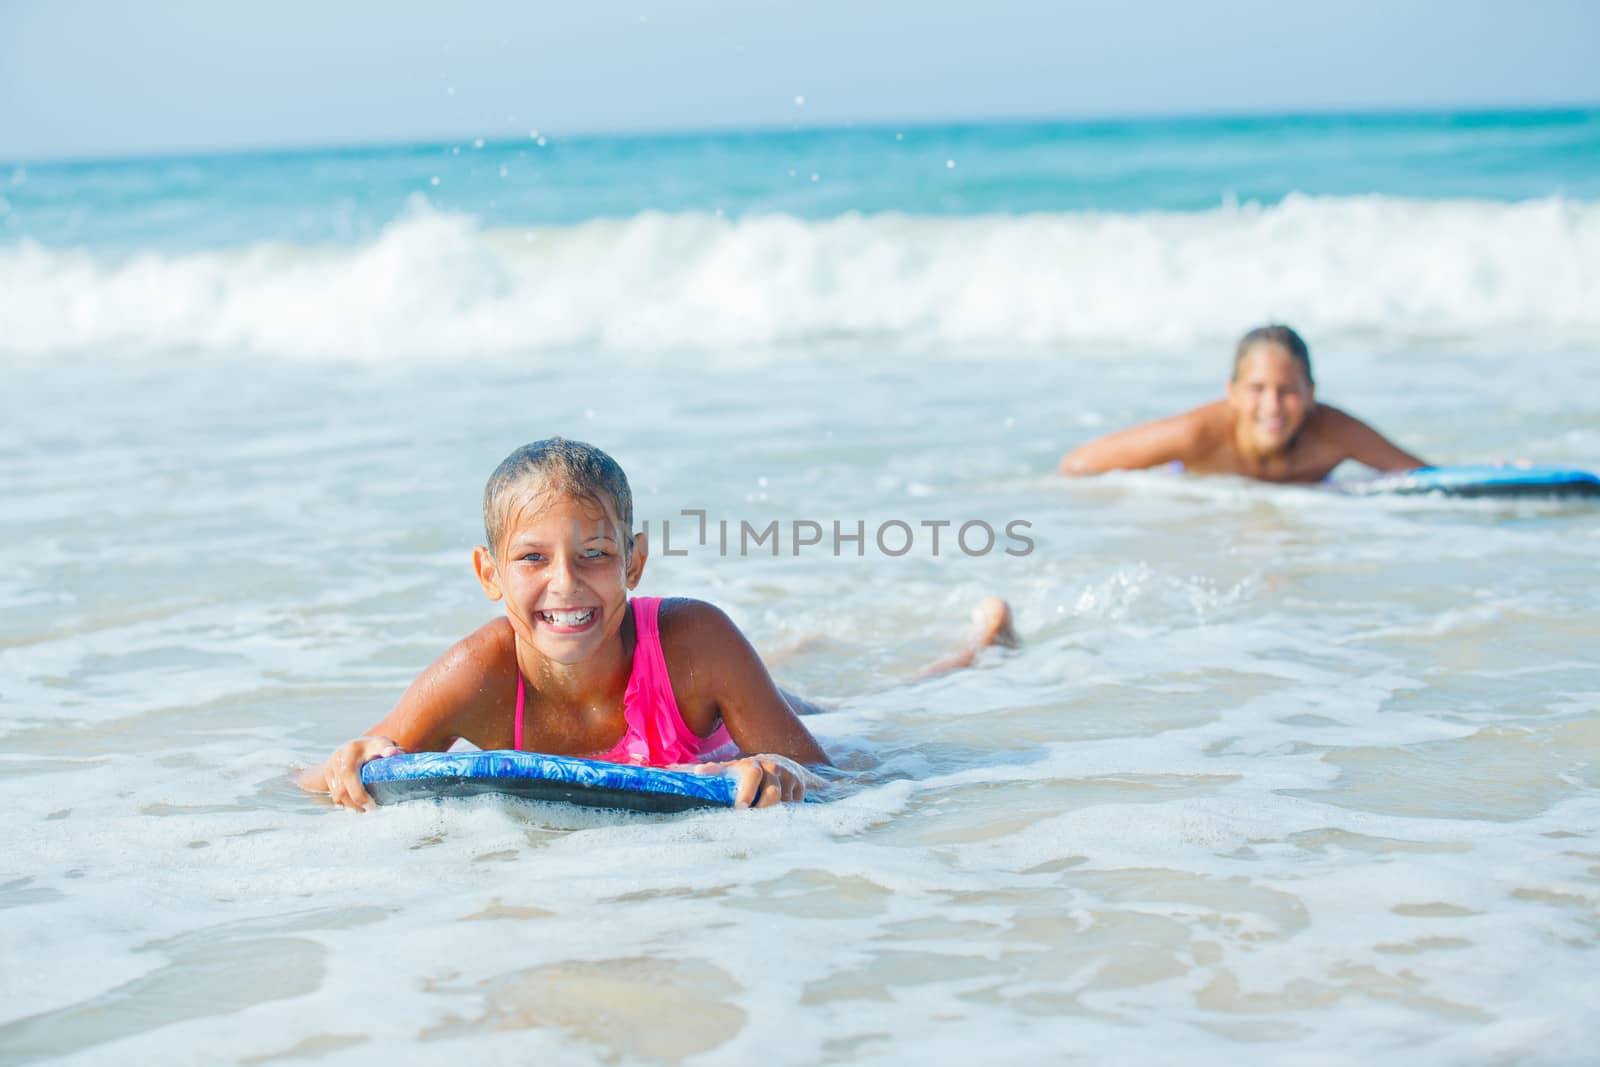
x,y
439,285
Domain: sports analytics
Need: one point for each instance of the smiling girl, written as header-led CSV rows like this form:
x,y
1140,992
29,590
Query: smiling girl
x,y
578,667
1269,426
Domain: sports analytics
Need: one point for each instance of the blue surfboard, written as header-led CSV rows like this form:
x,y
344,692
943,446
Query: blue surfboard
x,y
1481,481
534,776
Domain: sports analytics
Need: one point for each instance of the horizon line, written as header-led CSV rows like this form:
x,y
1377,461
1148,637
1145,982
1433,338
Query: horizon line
x,y
379,144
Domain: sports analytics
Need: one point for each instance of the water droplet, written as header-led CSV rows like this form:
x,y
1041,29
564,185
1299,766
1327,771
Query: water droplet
x,y
478,143
504,172
433,180
949,164
799,101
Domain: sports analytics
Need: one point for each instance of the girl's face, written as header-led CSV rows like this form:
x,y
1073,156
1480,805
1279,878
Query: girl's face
x,y
563,574
1270,397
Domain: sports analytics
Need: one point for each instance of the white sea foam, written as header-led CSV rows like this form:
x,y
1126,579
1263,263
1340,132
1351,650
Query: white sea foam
x,y
439,285
1272,765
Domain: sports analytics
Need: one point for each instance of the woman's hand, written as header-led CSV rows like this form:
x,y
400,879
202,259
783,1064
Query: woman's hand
x,y
340,777
763,780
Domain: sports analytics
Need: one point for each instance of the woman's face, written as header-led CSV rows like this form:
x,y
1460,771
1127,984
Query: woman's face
x,y
1270,396
563,574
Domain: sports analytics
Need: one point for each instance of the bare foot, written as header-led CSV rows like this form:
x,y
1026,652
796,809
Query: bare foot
x,y
993,617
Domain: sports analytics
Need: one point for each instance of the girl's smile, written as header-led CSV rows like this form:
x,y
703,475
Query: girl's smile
x,y
567,621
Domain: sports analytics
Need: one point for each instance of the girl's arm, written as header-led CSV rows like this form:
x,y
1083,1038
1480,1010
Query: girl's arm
x,y
461,694
1362,443
1148,445
723,678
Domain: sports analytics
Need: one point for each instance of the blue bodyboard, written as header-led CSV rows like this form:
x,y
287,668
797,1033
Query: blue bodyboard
x,y
1481,481
534,776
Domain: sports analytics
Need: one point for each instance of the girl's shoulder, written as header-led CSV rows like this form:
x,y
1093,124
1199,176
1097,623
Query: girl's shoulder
x,y
695,633
708,660
1207,425
1333,432
489,650
683,619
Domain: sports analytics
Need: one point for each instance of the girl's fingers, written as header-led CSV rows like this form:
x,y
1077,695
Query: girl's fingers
x,y
761,782
749,777
786,784
340,777
358,796
771,788
764,776
355,796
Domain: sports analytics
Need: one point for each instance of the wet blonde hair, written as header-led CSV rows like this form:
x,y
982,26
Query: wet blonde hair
x,y
556,466
1274,335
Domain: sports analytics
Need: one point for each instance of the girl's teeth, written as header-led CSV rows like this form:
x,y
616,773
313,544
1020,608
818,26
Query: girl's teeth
x,y
568,618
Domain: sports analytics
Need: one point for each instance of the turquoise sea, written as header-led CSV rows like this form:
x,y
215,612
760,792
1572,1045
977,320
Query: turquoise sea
x,y
1127,233
345,195
1278,775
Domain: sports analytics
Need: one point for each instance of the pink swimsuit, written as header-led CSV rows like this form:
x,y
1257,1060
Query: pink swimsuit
x,y
657,736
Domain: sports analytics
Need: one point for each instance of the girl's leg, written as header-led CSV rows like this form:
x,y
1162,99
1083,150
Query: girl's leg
x,y
994,627
993,616
801,705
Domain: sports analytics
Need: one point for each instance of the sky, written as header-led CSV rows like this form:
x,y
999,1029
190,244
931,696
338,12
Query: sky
x,y
93,80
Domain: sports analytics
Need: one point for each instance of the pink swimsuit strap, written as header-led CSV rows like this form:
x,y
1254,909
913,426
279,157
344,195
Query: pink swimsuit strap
x,y
656,735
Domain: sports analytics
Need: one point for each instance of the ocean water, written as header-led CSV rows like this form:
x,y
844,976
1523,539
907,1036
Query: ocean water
x,y
1278,774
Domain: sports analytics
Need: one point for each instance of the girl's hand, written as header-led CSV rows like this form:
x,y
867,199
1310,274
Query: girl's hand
x,y
763,780
341,775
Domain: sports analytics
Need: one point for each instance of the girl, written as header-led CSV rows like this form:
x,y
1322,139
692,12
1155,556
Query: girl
x,y
577,667
1269,427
